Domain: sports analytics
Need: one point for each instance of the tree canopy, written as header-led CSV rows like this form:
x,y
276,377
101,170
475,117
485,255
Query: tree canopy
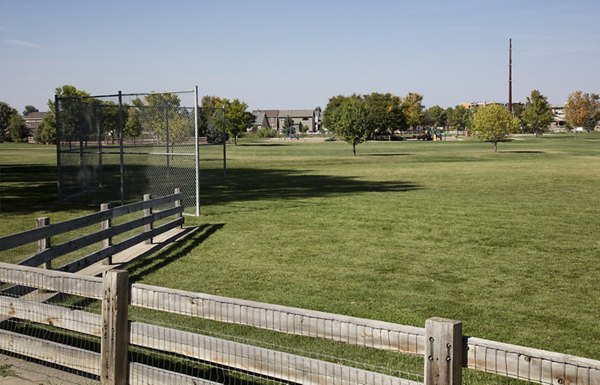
x,y
350,120
494,123
537,114
582,110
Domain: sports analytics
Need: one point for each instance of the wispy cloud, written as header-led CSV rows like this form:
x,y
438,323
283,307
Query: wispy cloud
x,y
22,43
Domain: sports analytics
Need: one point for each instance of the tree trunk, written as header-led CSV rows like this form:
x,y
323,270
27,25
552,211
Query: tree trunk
x,y
354,148
495,146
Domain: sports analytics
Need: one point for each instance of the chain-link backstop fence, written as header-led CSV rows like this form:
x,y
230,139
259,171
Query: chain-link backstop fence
x,y
119,147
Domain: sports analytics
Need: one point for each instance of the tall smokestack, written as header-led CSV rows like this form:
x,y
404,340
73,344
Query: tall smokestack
x,y
510,103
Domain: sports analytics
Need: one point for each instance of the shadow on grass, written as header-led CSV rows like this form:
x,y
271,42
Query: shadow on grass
x,y
26,189
141,268
386,154
522,152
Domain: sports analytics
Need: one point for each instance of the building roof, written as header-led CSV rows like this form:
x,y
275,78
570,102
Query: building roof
x,y
268,113
296,113
35,115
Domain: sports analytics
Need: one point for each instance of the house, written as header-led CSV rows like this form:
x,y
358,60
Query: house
x,y
32,122
304,117
559,123
260,120
310,119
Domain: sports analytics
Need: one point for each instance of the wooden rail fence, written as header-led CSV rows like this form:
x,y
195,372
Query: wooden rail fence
x,y
445,349
440,342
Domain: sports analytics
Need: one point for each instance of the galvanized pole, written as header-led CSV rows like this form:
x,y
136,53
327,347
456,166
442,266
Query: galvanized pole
x,y
120,121
59,177
197,151
510,103
167,131
224,143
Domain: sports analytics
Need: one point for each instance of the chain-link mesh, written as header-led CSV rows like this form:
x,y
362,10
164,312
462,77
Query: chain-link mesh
x,y
120,147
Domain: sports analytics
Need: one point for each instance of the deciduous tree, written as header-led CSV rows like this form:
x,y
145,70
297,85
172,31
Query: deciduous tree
x,y
537,114
494,123
238,119
17,128
582,110
6,111
350,120
413,109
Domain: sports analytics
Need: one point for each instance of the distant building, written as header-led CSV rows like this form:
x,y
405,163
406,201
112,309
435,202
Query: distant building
x,y
32,122
559,123
310,119
260,120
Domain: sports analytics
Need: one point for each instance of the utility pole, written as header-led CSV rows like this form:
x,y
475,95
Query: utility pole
x,y
510,103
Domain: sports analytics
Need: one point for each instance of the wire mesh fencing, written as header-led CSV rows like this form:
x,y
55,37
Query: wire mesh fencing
x,y
115,148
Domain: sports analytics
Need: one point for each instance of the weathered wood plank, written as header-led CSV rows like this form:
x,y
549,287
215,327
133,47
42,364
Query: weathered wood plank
x,y
67,356
52,315
68,283
351,330
148,375
86,240
443,352
530,364
264,362
25,237
114,340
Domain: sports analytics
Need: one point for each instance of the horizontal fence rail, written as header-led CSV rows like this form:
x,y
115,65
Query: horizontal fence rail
x,y
530,364
29,236
309,323
506,360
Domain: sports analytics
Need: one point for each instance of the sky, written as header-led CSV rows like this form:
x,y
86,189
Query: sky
x,y
297,54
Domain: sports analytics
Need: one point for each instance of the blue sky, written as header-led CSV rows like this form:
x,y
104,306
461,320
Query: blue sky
x,y
297,54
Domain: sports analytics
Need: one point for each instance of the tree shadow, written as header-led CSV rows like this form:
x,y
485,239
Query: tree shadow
x,y
27,188
522,152
249,184
386,154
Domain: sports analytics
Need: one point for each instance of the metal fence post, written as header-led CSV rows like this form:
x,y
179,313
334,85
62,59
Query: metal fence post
x,y
147,213
115,331
197,150
105,225
59,176
43,244
121,160
178,204
443,352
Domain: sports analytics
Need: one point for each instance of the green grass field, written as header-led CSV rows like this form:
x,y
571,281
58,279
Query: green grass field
x,y
507,242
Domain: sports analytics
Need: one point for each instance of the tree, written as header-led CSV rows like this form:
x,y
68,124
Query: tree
x,y
6,111
493,123
383,112
287,128
133,124
70,114
413,109
333,103
459,118
46,132
17,128
29,109
582,110
537,114
237,118
350,120
436,116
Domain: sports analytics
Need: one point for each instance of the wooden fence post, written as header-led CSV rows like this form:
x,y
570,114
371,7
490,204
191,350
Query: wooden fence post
x,y
104,225
178,204
43,244
115,329
148,212
443,352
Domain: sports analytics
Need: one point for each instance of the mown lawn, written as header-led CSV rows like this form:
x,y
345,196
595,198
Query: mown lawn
x,y
507,242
